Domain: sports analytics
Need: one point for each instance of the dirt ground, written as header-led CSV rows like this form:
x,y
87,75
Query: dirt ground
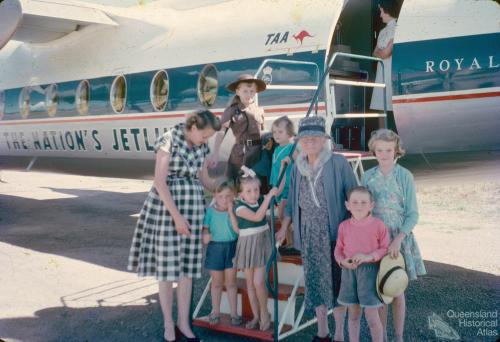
x,y
64,243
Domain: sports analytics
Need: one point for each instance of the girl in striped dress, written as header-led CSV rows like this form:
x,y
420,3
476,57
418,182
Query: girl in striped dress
x,y
254,245
167,242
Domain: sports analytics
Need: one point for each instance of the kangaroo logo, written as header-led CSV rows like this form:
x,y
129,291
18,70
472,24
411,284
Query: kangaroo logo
x,y
301,35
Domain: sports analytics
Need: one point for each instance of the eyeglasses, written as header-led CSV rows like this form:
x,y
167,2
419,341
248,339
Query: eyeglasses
x,y
312,140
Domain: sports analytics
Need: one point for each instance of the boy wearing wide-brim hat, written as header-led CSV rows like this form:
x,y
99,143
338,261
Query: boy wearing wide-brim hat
x,y
246,120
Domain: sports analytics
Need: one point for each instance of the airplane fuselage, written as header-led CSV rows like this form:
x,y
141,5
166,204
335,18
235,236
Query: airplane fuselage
x,y
445,98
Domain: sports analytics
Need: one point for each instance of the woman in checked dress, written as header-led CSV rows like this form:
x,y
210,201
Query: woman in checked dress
x,y
167,242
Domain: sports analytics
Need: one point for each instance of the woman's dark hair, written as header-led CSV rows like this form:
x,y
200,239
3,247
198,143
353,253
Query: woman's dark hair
x,y
390,7
202,119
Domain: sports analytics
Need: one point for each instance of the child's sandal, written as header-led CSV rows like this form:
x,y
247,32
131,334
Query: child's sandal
x,y
265,326
236,320
213,319
252,325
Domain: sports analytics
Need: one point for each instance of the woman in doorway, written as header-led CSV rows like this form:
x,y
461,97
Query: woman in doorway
x,y
388,14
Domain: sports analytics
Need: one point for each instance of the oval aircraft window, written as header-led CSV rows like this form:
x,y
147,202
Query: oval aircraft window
x,y
2,104
118,95
24,102
159,90
51,99
208,85
82,97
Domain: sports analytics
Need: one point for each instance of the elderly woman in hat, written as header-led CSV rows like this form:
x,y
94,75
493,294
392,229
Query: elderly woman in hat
x,y
319,182
246,120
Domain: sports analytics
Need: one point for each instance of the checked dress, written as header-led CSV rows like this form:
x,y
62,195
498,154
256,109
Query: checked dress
x,y
157,249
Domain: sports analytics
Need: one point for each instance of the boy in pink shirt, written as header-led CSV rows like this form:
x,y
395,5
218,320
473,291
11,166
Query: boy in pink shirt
x,y
362,241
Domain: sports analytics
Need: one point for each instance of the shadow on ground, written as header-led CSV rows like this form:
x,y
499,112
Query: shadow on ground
x,y
97,221
445,288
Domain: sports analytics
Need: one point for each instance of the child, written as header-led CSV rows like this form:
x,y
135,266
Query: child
x,y
220,231
254,245
395,198
282,133
246,120
361,242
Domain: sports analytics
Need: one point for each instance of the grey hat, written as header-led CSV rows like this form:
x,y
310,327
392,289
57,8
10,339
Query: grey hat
x,y
312,126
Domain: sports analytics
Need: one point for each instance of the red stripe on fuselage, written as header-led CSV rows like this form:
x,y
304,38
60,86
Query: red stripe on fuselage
x,y
447,97
145,117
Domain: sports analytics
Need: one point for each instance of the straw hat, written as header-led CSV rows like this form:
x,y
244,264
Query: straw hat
x,y
392,279
261,86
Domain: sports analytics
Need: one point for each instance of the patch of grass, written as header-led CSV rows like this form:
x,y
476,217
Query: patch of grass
x,y
479,200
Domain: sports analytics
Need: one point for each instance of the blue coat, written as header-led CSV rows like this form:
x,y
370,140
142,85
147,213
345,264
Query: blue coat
x,y
338,179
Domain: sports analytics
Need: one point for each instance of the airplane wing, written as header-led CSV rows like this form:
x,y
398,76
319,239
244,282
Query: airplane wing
x,y
40,21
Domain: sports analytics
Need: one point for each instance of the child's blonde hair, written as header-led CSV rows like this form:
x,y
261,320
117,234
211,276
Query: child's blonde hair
x,y
245,179
389,136
288,124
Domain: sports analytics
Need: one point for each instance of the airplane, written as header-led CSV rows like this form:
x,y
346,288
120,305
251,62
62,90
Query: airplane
x,y
80,79
87,80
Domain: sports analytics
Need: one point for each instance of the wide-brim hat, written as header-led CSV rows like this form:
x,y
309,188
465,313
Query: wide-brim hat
x,y
392,279
312,126
261,86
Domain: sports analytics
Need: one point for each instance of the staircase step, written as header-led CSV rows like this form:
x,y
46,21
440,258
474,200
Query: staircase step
x,y
291,259
284,291
353,154
357,83
226,327
359,115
